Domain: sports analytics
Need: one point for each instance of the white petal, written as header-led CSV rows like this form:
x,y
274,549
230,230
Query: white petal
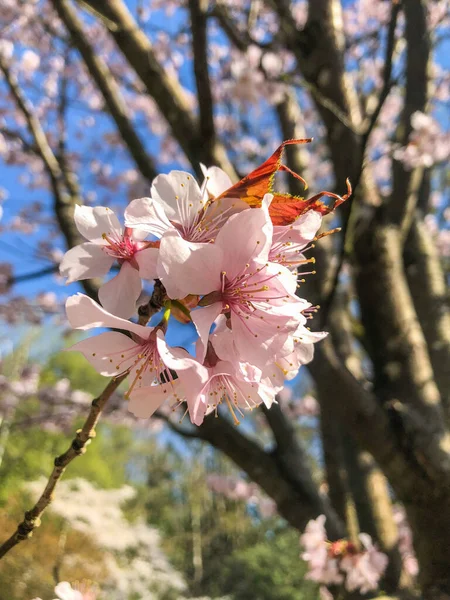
x,y
146,400
118,295
188,268
108,351
245,237
85,261
218,181
83,313
179,195
203,318
147,215
92,223
147,261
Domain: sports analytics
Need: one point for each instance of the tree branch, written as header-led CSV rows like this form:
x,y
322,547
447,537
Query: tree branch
x,y
63,183
167,93
107,85
199,22
403,200
78,447
429,291
297,499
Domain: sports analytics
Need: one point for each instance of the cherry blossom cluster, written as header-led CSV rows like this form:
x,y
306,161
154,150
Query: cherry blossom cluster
x,y
65,591
341,562
224,267
427,144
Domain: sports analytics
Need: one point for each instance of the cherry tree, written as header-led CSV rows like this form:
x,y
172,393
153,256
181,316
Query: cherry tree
x,y
155,111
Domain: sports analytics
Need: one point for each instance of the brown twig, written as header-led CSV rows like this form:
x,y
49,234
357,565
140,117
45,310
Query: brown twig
x,y
77,448
154,305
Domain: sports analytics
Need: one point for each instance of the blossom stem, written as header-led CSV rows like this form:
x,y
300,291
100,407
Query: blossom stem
x,y
77,448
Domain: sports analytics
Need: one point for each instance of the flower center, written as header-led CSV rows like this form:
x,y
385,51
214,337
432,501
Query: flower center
x,y
221,389
121,247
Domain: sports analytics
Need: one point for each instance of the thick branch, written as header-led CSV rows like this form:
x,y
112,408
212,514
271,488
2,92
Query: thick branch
x,y
403,373
106,83
297,500
402,201
199,21
167,93
291,125
292,458
78,447
429,291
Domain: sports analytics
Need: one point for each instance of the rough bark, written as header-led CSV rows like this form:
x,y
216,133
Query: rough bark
x,y
429,292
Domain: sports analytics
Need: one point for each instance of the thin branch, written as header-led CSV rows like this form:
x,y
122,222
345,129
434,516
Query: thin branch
x,y
239,39
199,22
45,151
77,448
107,85
16,136
63,182
33,275
167,92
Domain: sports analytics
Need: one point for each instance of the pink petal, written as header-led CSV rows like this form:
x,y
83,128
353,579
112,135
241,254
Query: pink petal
x,y
119,294
180,196
147,261
301,232
148,215
146,400
244,238
92,223
193,376
203,318
188,268
258,339
85,261
217,180
83,313
223,343
108,351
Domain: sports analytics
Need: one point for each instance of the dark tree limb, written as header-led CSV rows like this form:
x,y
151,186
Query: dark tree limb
x,y
166,92
199,23
108,87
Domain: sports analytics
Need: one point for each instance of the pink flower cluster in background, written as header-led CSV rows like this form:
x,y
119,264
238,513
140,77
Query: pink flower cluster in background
x,y
341,562
228,263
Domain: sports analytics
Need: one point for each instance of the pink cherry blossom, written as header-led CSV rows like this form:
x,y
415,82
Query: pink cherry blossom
x,y
233,275
290,241
178,204
212,383
321,566
112,353
364,569
107,243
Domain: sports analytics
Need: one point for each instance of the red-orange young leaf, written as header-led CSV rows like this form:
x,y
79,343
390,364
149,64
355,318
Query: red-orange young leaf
x,y
285,208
